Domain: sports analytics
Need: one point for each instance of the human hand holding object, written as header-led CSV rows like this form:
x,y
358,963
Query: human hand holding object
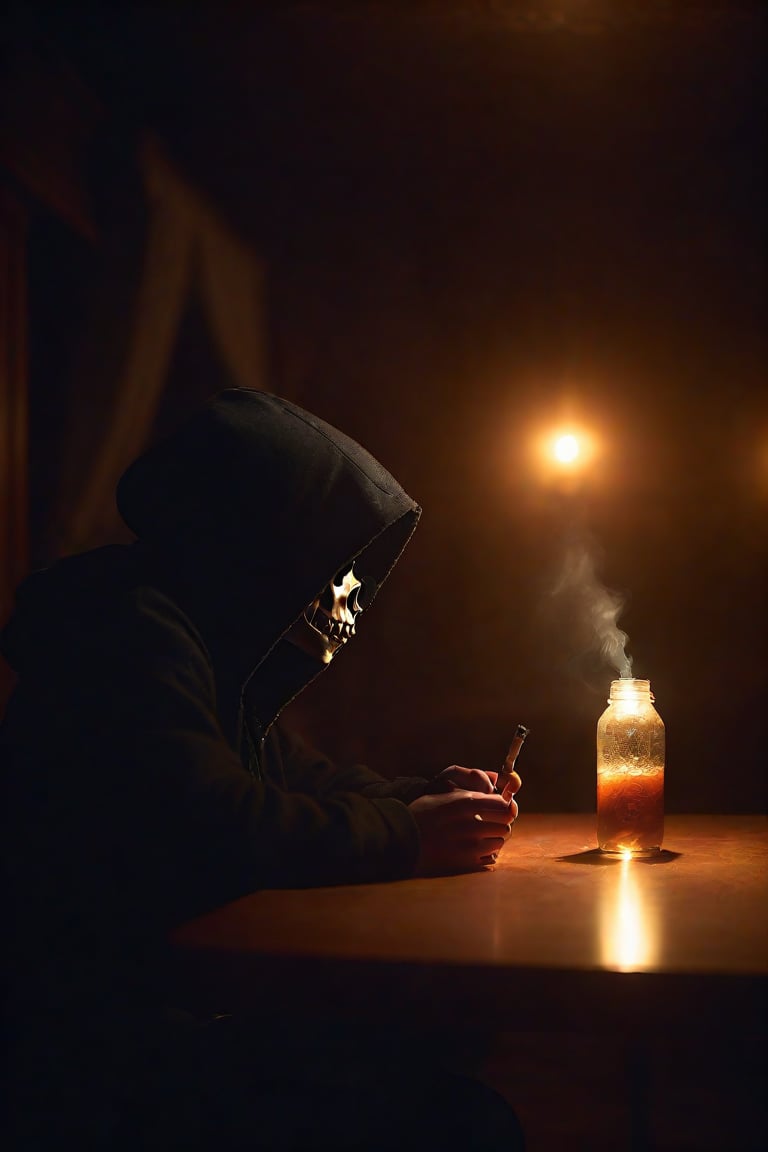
x,y
460,830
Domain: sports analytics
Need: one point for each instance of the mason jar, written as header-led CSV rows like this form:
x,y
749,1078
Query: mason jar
x,y
630,771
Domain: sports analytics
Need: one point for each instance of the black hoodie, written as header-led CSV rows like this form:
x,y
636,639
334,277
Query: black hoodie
x,y
145,776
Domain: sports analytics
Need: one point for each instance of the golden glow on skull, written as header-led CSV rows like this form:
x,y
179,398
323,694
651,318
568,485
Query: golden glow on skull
x,y
329,621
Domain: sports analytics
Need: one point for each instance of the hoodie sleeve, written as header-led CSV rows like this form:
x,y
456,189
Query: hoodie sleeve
x,y
186,802
305,769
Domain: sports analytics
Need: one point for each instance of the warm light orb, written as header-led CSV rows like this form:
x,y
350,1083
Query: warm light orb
x,y
566,448
565,453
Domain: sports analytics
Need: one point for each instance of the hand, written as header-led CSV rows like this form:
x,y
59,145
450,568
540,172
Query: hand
x,y
513,785
457,778
460,830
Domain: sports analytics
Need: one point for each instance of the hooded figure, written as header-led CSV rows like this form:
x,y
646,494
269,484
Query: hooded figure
x,y
146,775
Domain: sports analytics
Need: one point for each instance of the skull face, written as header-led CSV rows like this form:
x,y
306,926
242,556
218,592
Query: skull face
x,y
329,621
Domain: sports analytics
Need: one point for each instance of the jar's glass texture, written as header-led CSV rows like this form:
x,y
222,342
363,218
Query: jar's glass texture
x,y
630,771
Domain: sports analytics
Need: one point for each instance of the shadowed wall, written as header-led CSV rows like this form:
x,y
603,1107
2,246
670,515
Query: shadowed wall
x,y
474,225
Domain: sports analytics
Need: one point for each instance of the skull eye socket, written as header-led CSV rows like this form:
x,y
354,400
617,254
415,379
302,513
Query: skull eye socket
x,y
353,600
330,594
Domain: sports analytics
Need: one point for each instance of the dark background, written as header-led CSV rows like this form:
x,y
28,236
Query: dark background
x,y
478,219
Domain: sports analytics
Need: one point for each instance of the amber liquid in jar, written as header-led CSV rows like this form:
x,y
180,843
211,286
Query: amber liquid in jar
x,y
630,771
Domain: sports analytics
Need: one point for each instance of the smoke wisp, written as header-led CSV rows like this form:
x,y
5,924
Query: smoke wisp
x,y
593,609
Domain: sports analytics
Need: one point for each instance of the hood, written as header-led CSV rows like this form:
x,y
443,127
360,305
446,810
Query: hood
x,y
256,498
250,509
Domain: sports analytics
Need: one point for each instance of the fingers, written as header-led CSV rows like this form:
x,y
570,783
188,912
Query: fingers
x,y
480,853
478,781
497,817
489,838
494,828
491,844
458,778
460,831
493,806
465,809
463,856
470,779
512,784
438,786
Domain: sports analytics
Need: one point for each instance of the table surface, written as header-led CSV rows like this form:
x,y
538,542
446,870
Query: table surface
x,y
563,934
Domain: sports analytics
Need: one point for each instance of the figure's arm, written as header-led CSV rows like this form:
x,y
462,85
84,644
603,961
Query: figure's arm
x,y
305,769
462,824
183,800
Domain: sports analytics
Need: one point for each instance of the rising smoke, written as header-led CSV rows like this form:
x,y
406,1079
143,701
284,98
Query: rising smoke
x,y
592,608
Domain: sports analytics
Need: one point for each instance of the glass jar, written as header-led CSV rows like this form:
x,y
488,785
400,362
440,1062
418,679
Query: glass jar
x,y
630,771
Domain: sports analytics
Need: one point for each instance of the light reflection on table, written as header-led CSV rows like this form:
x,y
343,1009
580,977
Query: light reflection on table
x,y
629,937
556,936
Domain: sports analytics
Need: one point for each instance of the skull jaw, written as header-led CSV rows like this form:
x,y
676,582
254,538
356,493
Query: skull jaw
x,y
319,645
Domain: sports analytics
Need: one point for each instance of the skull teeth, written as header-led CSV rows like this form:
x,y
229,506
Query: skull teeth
x,y
334,629
332,615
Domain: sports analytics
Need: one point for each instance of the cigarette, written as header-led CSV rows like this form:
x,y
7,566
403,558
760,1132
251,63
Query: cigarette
x,y
508,766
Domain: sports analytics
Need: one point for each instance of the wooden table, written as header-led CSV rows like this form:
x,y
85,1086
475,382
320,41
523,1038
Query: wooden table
x,y
555,937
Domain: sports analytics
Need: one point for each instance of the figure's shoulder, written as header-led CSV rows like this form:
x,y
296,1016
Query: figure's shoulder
x,y
147,607
154,631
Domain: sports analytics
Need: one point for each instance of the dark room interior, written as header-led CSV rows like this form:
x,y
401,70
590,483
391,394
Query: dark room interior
x,y
468,225
454,230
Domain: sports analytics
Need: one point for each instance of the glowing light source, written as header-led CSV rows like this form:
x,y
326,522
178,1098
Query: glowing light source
x,y
566,448
566,453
